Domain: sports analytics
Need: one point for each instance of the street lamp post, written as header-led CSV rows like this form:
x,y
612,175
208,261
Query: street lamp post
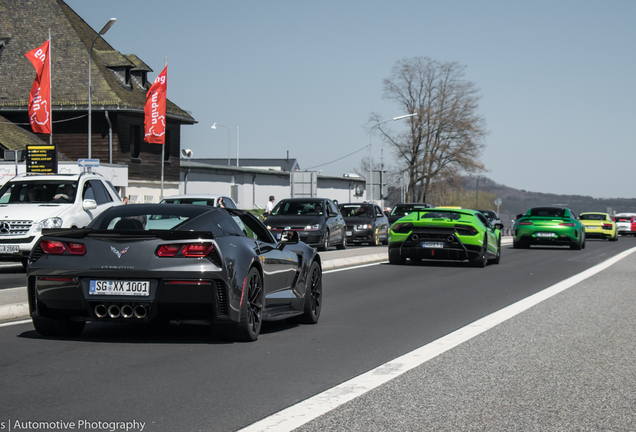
x,y
103,31
371,153
228,140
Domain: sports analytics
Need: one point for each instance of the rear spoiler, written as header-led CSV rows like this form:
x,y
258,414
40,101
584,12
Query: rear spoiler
x,y
79,233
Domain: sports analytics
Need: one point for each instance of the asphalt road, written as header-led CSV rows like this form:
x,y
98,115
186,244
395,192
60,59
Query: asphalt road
x,y
174,378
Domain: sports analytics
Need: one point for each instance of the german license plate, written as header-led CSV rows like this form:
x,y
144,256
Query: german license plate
x,y
9,248
591,227
349,233
123,288
545,234
433,244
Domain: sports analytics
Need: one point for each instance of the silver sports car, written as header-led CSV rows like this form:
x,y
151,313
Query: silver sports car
x,y
149,262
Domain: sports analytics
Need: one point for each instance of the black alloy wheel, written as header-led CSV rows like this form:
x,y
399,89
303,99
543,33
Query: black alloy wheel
x,y
313,297
498,257
482,259
324,245
249,326
396,258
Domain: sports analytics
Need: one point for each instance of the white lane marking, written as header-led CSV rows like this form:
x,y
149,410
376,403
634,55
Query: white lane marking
x,y
12,323
312,408
354,267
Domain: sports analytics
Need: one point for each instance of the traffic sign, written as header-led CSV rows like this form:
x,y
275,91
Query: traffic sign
x,y
88,162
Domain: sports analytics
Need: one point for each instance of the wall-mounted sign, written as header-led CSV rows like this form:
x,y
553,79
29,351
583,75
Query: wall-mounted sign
x,y
41,159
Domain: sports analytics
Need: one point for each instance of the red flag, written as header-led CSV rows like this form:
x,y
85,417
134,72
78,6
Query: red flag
x,y
155,110
40,97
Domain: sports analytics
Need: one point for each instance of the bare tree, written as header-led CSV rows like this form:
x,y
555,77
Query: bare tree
x,y
446,138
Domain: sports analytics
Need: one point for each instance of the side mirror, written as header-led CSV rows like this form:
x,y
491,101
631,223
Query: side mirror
x,y
499,226
89,204
519,216
288,237
332,214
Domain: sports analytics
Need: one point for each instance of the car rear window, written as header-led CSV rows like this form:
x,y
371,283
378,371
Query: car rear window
x,y
598,217
352,210
547,212
440,215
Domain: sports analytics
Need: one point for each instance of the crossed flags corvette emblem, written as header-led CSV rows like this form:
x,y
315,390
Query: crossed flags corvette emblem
x,y
118,253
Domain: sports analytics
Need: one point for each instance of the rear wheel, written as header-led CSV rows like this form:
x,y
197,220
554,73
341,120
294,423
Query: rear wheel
x,y
396,258
313,297
249,326
498,257
57,327
519,244
482,259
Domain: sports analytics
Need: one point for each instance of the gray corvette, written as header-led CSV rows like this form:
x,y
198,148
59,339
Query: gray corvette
x,y
150,262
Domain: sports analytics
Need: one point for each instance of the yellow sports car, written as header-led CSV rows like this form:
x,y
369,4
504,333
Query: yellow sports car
x,y
599,225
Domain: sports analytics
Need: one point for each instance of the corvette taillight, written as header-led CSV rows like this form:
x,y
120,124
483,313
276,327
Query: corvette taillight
x,y
570,224
76,248
168,250
197,249
52,247
190,250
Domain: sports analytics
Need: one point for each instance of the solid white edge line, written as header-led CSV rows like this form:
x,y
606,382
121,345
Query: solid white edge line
x,y
12,323
303,412
354,267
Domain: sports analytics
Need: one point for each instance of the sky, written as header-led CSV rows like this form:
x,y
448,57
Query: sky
x,y
555,78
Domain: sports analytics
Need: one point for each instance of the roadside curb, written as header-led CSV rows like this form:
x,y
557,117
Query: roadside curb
x,y
14,311
351,261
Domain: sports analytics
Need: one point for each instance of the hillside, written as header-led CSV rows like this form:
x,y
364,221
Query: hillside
x,y
517,201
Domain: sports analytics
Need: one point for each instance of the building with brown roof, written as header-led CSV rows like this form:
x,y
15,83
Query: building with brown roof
x,y
119,86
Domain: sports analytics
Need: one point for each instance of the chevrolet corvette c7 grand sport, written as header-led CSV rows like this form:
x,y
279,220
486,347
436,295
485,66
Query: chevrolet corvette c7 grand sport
x,y
548,226
599,225
156,262
445,235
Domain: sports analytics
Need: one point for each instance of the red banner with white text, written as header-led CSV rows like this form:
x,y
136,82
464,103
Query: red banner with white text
x,y
155,110
40,97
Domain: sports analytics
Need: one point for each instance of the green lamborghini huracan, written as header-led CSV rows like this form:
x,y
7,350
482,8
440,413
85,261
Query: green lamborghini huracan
x,y
445,234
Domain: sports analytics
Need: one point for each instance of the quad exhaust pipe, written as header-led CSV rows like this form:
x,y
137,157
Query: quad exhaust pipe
x,y
114,311
140,311
123,311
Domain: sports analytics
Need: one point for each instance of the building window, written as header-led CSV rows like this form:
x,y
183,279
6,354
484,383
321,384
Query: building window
x,y
135,141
